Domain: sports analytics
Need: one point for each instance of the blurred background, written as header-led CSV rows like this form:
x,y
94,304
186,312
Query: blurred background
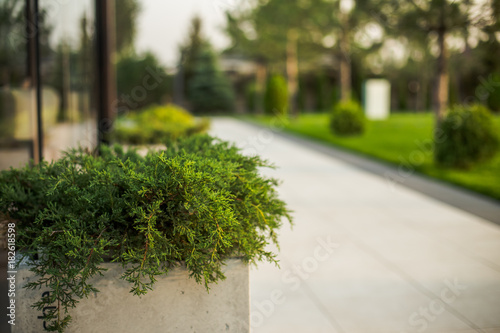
x,y
77,73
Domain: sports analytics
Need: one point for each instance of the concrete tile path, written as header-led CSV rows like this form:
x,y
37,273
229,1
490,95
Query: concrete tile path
x,y
365,256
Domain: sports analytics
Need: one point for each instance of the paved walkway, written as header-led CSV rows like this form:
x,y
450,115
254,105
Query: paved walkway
x,y
365,255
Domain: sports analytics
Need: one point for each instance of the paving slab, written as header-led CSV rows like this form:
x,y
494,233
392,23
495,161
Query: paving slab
x,y
365,255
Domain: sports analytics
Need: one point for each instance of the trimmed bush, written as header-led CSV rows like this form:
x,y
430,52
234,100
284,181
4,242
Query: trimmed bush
x,y
276,96
197,203
157,124
466,136
347,119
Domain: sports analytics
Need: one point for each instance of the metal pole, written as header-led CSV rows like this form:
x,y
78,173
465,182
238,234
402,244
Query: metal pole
x,y
105,74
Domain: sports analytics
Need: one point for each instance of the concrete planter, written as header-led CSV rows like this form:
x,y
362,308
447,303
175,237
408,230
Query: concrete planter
x,y
177,304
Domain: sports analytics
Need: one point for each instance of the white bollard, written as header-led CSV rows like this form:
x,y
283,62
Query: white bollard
x,y
377,99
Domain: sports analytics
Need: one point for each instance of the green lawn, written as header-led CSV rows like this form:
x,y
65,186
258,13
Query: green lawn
x,y
404,139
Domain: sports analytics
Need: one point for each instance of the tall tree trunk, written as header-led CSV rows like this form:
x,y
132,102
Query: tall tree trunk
x,y
443,77
292,71
260,85
345,61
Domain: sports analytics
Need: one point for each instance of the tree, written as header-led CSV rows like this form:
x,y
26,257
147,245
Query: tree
x,y
190,50
242,44
284,33
345,24
15,32
209,90
274,36
277,24
126,14
204,84
12,41
436,20
135,90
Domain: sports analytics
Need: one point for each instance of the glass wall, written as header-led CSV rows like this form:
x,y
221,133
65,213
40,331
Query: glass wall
x,y
67,60
17,93
67,75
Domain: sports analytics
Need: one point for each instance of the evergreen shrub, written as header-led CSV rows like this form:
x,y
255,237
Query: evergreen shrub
x,y
347,119
209,90
276,96
157,124
467,135
196,204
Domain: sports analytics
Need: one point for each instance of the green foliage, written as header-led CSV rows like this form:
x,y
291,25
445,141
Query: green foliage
x,y
276,96
302,94
494,93
270,22
191,49
209,89
466,136
347,118
7,114
324,93
126,13
250,97
141,81
13,46
206,86
157,124
197,203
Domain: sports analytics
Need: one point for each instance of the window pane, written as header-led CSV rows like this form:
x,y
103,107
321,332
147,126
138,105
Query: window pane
x,y
67,68
17,97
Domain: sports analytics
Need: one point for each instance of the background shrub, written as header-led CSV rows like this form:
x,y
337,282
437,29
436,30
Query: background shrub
x,y
467,136
156,125
199,202
131,72
276,96
347,118
209,90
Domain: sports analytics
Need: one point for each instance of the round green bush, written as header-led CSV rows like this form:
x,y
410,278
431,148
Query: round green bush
x,y
276,96
347,118
157,124
466,136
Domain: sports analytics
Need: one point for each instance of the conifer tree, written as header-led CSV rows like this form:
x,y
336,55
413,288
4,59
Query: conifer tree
x,y
209,90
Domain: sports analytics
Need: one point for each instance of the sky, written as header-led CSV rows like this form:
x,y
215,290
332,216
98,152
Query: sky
x,y
164,24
